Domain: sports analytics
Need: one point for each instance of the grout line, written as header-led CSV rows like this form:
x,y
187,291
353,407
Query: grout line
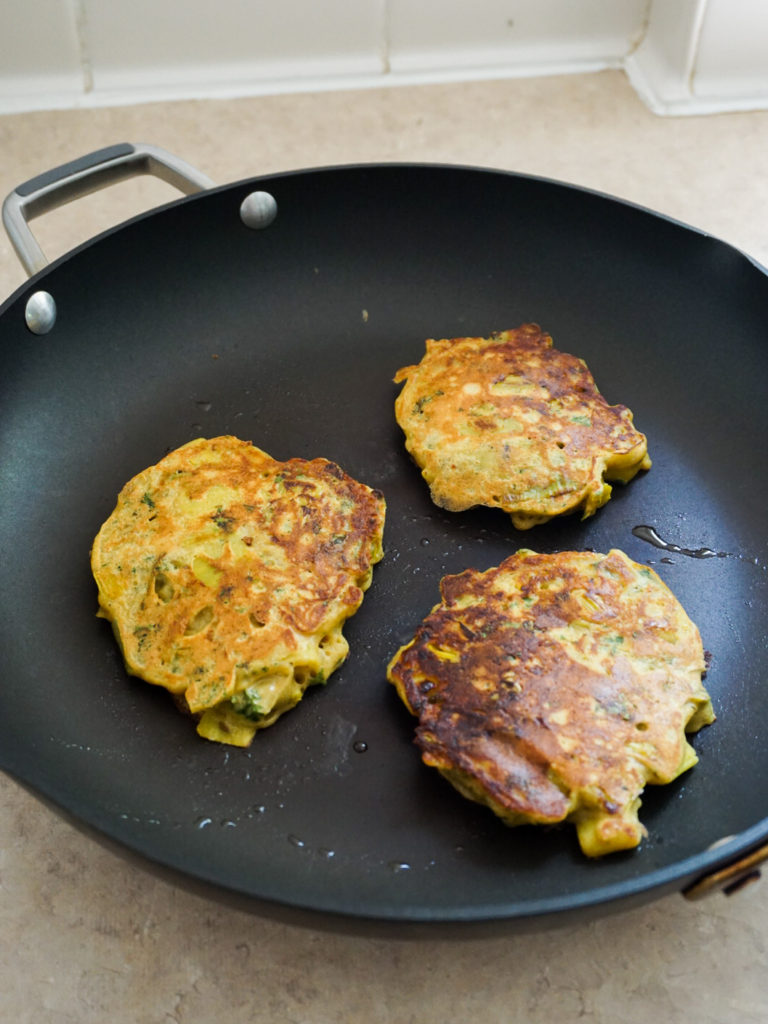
x,y
639,37
386,41
23,96
692,54
130,94
80,19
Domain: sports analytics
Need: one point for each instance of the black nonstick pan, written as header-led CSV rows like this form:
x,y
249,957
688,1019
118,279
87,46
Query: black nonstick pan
x,y
283,322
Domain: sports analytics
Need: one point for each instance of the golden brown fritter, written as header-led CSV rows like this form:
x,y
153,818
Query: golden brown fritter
x,y
554,687
512,423
228,575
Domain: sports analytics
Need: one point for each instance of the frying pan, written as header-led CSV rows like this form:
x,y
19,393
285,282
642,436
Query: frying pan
x,y
278,309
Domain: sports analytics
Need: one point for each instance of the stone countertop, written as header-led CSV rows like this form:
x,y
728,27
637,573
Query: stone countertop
x,y
86,936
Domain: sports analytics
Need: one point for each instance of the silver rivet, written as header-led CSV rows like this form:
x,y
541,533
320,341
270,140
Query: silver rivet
x,y
258,210
40,313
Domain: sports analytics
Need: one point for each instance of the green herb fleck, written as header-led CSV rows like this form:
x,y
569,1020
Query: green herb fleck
x,y
613,642
418,405
248,703
620,706
143,635
223,521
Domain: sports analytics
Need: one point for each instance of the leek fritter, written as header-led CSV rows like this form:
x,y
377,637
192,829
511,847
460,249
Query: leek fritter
x,y
228,576
511,422
554,687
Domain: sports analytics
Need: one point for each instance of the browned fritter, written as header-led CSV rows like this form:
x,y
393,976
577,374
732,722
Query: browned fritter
x,y
511,422
227,576
555,687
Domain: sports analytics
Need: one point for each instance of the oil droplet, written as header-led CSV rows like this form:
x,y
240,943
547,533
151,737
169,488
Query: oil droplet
x,y
295,841
228,823
424,542
399,866
359,746
647,533
259,808
325,852
203,822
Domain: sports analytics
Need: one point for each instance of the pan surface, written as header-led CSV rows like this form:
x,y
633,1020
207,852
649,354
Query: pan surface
x,y
186,323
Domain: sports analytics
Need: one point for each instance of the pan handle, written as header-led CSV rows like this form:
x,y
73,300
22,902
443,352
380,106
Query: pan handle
x,y
731,878
80,177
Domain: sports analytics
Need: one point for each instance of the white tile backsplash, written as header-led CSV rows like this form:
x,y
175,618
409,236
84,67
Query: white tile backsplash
x,y
167,40
40,52
678,53
732,53
512,32
703,56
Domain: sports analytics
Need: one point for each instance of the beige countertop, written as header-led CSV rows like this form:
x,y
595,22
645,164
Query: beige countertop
x,y
87,937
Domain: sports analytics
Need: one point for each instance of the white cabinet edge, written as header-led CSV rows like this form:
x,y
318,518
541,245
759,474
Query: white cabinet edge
x,y
665,68
668,99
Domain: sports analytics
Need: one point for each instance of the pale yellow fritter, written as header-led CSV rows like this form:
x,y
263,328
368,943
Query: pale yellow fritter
x,y
228,576
554,687
512,423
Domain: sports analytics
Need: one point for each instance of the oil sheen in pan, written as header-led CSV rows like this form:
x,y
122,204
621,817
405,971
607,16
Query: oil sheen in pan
x,y
649,534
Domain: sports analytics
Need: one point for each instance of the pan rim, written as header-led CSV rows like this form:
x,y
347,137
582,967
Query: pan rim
x,y
675,877
374,166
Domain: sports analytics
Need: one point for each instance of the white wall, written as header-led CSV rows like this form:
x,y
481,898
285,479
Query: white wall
x,y
703,56
683,56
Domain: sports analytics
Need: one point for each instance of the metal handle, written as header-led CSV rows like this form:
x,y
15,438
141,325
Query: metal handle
x,y
80,177
731,878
